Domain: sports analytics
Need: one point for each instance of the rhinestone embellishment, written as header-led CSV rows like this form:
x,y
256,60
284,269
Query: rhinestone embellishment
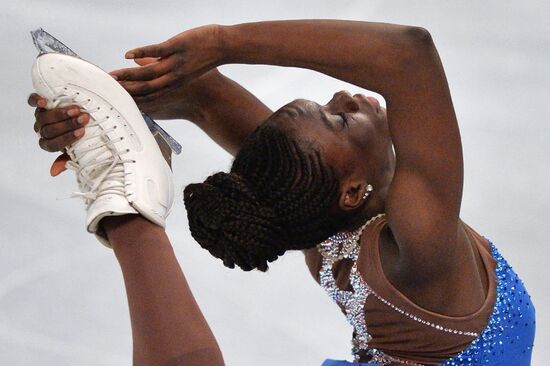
x,y
345,245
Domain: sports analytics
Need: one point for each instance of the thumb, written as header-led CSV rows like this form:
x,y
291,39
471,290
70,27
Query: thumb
x,y
145,60
58,165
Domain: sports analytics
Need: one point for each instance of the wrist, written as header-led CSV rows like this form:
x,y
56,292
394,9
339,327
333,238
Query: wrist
x,y
192,100
266,42
230,43
224,34
206,91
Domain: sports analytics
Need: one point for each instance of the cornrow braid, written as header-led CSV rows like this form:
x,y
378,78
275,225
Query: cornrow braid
x,y
278,196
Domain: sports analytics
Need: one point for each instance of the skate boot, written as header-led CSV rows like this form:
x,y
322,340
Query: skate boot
x,y
119,167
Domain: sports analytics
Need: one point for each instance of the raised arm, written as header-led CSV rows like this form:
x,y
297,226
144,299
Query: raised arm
x,y
402,64
399,62
222,108
168,327
227,112
366,54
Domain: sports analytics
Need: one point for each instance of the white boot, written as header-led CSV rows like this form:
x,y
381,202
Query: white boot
x,y
119,166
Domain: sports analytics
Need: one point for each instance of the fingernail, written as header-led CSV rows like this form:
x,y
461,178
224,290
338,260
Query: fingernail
x,y
79,132
115,77
81,119
130,55
42,103
73,112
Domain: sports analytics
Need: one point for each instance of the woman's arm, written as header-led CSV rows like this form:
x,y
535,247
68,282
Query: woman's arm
x,y
222,108
402,64
226,111
369,55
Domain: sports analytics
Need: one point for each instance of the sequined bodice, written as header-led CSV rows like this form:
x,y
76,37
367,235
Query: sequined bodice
x,y
345,246
506,339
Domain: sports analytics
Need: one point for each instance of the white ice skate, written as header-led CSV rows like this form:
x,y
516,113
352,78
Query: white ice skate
x,y
119,166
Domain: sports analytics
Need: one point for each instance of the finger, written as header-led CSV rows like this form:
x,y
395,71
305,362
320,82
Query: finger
x,y
36,100
54,130
140,61
148,72
38,110
46,117
145,61
36,126
59,165
61,142
141,88
163,49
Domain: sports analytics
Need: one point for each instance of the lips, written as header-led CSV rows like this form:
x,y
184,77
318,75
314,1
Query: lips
x,y
375,103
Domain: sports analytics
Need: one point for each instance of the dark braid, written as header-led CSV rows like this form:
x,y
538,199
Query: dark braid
x,y
278,196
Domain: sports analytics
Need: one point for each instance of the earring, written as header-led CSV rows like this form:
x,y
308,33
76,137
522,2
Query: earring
x,y
367,191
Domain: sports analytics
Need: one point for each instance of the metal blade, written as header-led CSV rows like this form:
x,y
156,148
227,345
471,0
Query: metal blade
x,y
153,126
46,43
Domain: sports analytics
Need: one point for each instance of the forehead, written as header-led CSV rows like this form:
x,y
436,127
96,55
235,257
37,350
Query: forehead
x,y
299,108
301,113
308,122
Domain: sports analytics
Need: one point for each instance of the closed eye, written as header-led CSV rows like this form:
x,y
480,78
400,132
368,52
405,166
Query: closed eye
x,y
328,118
344,119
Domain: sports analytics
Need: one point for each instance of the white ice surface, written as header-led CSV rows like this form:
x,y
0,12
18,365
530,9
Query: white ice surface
x,y
62,298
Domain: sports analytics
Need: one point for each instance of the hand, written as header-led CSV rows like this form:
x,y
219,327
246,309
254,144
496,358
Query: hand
x,y
177,61
181,102
58,128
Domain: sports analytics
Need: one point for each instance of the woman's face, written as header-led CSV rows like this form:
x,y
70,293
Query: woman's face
x,y
351,131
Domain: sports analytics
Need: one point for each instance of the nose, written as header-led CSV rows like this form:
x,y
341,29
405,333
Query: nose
x,y
342,93
344,100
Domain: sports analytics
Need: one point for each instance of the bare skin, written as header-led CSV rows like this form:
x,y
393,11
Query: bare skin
x,y
425,253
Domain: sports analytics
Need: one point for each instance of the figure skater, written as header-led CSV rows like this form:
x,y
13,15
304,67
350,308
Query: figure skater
x,y
372,196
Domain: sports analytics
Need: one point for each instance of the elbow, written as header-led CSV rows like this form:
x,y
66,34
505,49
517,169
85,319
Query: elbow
x,y
416,48
417,37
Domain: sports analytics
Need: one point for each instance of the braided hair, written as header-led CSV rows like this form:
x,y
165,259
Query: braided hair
x,y
278,196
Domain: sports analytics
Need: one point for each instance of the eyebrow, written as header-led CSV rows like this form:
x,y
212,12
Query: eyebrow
x,y
290,111
295,111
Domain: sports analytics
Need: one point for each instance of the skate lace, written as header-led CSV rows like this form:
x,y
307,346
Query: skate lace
x,y
90,147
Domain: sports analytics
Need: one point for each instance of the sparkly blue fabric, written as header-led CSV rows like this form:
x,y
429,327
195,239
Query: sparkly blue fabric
x,y
508,338
345,363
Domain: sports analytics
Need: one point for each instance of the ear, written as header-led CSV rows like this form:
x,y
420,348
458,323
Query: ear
x,y
352,194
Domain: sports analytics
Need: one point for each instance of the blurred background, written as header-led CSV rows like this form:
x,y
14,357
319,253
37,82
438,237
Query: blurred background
x,y
62,299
